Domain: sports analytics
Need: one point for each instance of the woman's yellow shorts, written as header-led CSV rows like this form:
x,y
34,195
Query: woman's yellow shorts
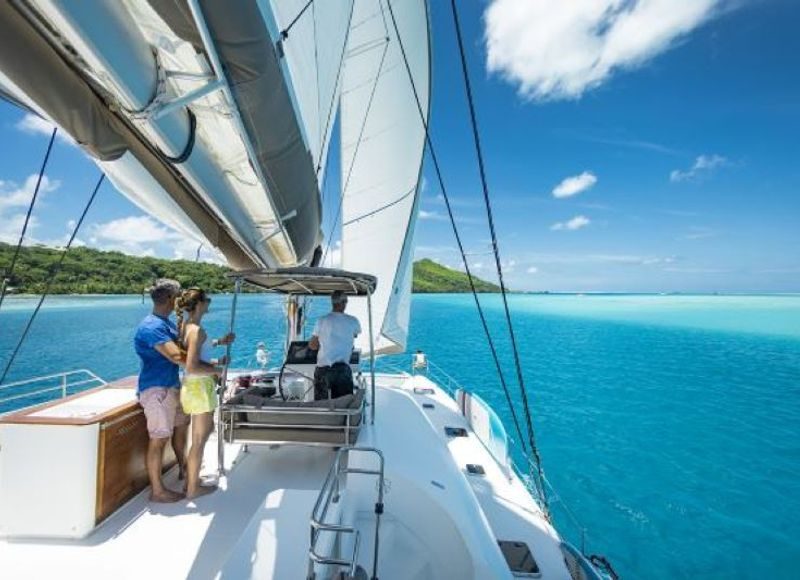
x,y
198,395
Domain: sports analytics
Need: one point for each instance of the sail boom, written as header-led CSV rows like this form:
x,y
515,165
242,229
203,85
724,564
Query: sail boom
x,y
253,178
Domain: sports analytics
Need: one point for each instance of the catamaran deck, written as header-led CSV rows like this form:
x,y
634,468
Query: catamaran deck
x,y
440,521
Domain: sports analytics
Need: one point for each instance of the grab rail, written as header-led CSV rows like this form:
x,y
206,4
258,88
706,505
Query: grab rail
x,y
56,382
329,493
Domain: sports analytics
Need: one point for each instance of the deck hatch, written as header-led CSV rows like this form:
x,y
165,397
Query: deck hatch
x,y
423,391
519,558
475,469
455,431
427,405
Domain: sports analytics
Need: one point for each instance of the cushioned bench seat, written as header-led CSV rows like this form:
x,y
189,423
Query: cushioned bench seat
x,y
253,417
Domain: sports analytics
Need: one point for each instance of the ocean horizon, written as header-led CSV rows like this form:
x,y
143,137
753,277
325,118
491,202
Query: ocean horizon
x,y
669,424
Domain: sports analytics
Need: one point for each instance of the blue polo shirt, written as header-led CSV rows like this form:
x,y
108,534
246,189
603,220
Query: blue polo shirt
x,y
157,370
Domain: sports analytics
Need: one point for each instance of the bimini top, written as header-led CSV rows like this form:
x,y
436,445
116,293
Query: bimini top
x,y
309,281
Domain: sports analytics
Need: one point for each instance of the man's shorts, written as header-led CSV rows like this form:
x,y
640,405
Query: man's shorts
x,y
163,411
336,380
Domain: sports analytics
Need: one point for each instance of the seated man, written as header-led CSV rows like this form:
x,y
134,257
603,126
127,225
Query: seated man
x,y
419,362
333,339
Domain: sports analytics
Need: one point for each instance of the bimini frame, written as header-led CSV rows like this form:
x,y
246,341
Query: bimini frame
x,y
300,281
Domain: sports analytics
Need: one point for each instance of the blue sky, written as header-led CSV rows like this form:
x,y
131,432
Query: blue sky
x,y
638,148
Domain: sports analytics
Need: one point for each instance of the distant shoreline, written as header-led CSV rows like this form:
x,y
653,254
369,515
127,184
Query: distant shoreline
x,y
593,293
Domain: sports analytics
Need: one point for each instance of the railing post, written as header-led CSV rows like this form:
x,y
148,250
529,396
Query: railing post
x,y
224,383
371,358
63,385
378,514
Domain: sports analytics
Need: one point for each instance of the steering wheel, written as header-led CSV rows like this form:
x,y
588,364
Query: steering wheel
x,y
282,391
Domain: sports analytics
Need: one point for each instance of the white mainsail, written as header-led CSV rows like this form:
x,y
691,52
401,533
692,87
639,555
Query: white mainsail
x,y
383,142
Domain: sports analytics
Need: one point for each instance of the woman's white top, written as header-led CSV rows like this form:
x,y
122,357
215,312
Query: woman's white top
x,y
206,356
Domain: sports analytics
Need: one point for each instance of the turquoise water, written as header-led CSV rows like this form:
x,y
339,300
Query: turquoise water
x,y
669,424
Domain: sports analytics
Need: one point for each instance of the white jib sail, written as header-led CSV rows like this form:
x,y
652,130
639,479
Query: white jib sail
x,y
313,53
383,142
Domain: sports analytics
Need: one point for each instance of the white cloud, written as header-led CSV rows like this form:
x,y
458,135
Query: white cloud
x,y
16,196
576,223
61,241
186,248
143,236
559,50
422,250
430,215
11,226
532,270
575,185
610,259
699,233
132,230
36,125
14,202
697,270
702,165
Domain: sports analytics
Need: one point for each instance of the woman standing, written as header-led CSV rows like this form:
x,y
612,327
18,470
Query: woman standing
x,y
198,390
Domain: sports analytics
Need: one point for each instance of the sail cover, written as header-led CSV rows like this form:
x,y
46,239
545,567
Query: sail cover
x,y
382,144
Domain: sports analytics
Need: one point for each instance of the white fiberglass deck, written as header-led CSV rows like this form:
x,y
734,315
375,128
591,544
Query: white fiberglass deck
x,y
439,522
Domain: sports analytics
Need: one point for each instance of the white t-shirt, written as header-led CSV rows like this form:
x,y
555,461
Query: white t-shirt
x,y
336,331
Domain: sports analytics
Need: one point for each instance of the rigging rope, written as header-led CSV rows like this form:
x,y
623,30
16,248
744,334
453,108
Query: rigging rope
x,y
10,270
52,275
335,87
496,250
285,31
457,236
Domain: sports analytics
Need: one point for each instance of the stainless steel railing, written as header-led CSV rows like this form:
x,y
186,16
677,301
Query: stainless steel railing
x,y
330,493
46,388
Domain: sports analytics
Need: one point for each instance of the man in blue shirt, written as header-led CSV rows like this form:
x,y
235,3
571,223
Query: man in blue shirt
x,y
159,386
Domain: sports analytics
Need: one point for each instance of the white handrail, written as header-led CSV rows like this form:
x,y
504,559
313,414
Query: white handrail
x,y
64,384
53,376
329,492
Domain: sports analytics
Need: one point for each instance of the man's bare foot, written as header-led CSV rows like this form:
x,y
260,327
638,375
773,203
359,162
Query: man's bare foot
x,y
166,496
201,490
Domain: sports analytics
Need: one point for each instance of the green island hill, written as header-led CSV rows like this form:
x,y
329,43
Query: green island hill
x,y
431,277
90,271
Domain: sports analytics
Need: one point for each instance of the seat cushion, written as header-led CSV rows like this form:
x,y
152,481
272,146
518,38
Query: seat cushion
x,y
297,417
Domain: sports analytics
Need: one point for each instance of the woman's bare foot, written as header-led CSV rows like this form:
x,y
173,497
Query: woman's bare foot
x,y
166,496
201,490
